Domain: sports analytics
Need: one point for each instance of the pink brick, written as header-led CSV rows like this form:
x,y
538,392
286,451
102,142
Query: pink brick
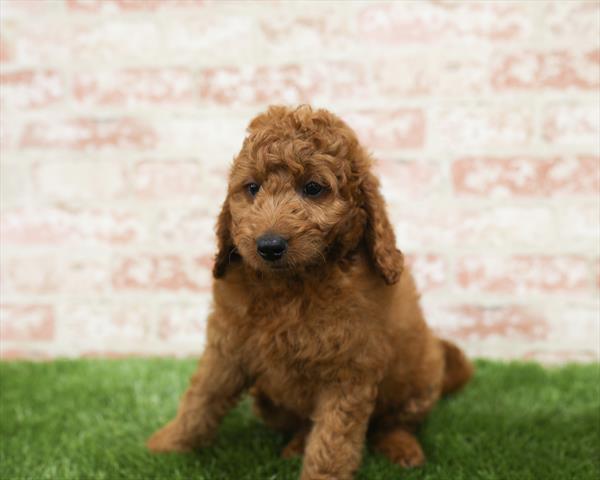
x,y
391,77
578,225
132,40
296,33
163,179
430,271
97,324
416,75
11,8
187,136
396,129
62,225
141,39
29,275
437,226
9,135
407,179
189,226
419,225
462,127
473,322
15,184
469,73
135,87
33,41
431,22
560,356
85,275
576,325
162,272
184,323
523,274
43,274
30,89
453,74
562,69
89,134
290,84
524,176
524,226
78,180
6,50
18,353
231,37
572,20
97,6
571,123
26,322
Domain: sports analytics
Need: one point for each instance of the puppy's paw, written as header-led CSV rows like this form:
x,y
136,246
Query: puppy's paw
x,y
408,456
171,438
401,448
295,447
292,449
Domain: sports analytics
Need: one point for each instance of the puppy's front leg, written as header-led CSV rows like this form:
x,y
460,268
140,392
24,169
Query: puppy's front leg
x,y
335,444
213,390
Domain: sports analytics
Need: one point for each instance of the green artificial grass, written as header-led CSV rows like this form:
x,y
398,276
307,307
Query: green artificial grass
x,y
89,419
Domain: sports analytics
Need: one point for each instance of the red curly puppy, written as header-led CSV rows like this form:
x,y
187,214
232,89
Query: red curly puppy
x,y
312,309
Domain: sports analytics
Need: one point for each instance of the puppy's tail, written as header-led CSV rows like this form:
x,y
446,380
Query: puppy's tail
x,y
458,368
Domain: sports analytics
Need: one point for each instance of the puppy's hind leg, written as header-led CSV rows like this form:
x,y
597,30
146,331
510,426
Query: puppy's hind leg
x,y
393,434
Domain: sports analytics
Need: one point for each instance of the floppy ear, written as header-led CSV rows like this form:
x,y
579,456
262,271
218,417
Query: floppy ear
x,y
225,245
379,235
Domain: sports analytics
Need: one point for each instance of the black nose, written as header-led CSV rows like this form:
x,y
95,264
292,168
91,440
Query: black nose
x,y
271,247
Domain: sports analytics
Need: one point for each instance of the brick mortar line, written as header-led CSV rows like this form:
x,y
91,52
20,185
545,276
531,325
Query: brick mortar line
x,y
431,155
385,53
542,151
382,103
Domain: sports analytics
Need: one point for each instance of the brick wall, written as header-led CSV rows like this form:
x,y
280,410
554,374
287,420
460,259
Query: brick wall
x,y
119,119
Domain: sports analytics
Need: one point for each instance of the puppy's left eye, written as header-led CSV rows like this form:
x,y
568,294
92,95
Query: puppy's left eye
x,y
312,189
253,188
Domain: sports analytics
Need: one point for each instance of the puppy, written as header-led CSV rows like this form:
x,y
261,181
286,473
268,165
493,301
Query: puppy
x,y
313,312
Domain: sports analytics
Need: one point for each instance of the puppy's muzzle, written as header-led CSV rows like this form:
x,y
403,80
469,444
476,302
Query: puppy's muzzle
x,y
271,247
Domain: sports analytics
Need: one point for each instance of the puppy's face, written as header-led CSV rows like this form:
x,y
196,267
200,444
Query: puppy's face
x,y
286,203
301,194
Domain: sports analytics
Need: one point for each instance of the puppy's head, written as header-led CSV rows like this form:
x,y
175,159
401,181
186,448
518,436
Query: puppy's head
x,y
301,194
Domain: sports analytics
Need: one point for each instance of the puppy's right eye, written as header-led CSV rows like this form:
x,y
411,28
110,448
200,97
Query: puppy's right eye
x,y
312,189
253,188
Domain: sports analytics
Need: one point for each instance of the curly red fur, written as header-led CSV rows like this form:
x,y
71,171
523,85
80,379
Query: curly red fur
x,y
330,339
